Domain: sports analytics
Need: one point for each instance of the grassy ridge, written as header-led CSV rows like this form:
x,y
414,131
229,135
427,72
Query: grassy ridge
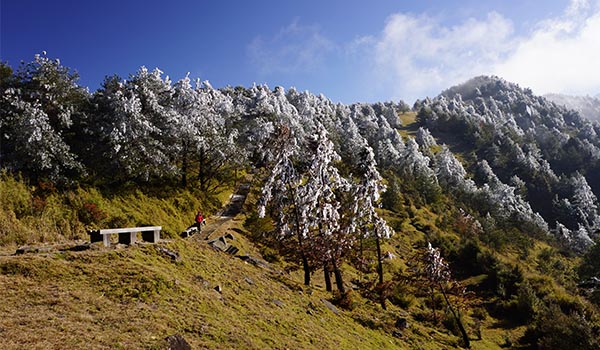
x,y
31,214
133,298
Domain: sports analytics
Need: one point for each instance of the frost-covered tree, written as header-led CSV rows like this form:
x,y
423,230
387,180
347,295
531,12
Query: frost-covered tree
x,y
584,201
30,144
450,172
425,141
503,202
437,273
132,132
283,191
207,137
575,204
53,87
366,197
324,193
413,163
38,104
351,141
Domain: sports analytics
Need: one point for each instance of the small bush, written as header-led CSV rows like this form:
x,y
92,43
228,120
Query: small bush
x,y
402,296
258,226
91,213
270,255
554,329
345,301
16,195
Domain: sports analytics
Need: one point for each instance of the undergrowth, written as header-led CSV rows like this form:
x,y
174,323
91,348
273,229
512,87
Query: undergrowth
x,y
42,213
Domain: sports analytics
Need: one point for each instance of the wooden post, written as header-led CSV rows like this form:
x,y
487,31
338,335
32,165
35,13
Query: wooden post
x,y
106,240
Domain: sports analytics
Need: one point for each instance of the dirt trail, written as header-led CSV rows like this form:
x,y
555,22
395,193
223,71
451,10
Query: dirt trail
x,y
229,212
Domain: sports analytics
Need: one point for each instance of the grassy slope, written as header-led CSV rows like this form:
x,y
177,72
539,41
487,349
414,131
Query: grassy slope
x,y
409,126
132,298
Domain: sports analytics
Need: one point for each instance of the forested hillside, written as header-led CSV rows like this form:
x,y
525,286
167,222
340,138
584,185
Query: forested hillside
x,y
468,210
587,106
527,146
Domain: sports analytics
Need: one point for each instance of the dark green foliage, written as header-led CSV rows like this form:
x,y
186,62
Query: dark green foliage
x,y
259,226
590,264
402,294
470,260
555,329
392,198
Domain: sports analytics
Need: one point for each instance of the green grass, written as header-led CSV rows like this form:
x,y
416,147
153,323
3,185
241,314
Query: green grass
x,y
33,214
409,124
132,298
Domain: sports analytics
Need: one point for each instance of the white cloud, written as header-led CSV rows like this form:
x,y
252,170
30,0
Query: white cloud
x,y
417,55
561,55
296,48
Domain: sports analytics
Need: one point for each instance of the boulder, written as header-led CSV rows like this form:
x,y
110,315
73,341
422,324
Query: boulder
x,y
177,342
219,243
170,253
331,307
31,249
256,262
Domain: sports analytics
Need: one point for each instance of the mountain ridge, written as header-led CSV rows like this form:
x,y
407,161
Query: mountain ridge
x,y
587,106
481,200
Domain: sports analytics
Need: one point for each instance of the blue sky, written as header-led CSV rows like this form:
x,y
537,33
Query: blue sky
x,y
349,50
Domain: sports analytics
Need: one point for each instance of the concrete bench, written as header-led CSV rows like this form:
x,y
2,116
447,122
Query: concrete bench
x,y
126,235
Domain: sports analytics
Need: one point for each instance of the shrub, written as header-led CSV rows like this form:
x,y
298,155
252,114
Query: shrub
x,y
16,196
402,295
345,301
528,303
258,226
553,329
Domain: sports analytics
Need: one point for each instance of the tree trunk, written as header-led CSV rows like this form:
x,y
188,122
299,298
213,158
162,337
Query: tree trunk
x,y
305,264
339,282
432,292
379,260
202,170
306,269
456,316
184,167
327,277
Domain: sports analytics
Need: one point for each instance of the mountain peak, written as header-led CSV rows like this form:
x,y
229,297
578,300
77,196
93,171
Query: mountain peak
x,y
483,86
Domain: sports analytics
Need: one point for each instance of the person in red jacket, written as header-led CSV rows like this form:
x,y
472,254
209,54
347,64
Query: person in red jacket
x,y
199,220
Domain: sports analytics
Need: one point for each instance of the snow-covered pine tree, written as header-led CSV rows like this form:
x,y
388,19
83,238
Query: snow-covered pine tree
x,y
366,197
38,104
282,191
324,191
